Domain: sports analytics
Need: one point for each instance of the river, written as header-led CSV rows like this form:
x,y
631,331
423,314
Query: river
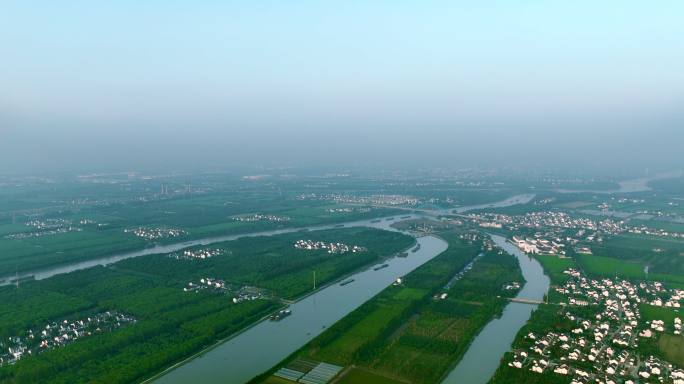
x,y
629,186
513,200
44,273
261,347
484,354
40,274
264,345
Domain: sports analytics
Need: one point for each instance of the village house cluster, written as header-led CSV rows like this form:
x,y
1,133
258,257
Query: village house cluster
x,y
539,246
513,286
48,223
340,210
248,293
151,234
207,283
197,254
338,248
655,232
49,232
555,231
604,345
58,334
260,217
245,293
588,228
392,200
549,219
348,210
47,227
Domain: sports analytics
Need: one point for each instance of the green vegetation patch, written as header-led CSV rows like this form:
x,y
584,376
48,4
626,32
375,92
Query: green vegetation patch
x,y
555,266
608,266
664,256
673,348
611,267
362,376
406,333
650,312
172,324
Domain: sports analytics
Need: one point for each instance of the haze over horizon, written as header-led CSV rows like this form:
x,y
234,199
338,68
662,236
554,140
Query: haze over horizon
x,y
127,85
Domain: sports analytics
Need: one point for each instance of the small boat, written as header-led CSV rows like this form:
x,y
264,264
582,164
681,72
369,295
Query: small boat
x,y
389,218
281,315
349,281
379,267
416,248
339,226
406,217
376,221
402,254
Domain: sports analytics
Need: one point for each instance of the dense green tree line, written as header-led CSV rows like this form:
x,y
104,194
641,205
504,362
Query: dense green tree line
x,y
171,324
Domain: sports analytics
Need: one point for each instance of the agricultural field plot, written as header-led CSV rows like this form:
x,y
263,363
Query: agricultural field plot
x,y
362,376
672,347
668,315
415,331
555,266
170,322
608,266
662,255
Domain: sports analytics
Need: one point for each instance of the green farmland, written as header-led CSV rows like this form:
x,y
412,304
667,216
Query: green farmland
x,y
171,324
404,334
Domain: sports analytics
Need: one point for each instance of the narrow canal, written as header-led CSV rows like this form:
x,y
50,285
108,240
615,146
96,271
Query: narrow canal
x,y
485,353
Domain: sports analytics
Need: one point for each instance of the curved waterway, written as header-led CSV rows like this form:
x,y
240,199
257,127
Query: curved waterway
x,y
264,345
513,200
44,273
629,186
40,274
484,354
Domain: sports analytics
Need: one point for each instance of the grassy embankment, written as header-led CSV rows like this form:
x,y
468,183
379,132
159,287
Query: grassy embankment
x,y
404,334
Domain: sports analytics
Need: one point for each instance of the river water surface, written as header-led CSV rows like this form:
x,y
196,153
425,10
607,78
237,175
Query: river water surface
x,y
40,274
485,353
261,347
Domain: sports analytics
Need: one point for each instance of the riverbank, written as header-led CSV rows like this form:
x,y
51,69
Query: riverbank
x,y
171,323
135,249
266,317
395,325
244,357
486,350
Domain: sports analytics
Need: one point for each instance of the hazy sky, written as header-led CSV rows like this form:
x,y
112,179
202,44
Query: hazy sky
x,y
136,84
